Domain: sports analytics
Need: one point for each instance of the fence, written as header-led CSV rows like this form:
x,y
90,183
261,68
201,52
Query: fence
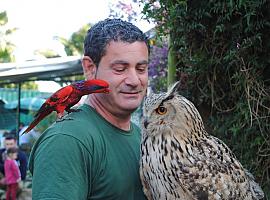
x,y
11,94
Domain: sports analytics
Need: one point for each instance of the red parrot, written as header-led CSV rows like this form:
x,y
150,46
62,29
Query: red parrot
x,y
66,97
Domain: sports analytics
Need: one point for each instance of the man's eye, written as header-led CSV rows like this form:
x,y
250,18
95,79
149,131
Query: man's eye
x,y
141,69
120,69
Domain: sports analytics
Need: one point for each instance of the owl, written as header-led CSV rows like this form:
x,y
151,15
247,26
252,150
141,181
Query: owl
x,y
180,160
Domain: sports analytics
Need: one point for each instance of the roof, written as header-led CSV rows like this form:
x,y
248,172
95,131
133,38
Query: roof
x,y
47,69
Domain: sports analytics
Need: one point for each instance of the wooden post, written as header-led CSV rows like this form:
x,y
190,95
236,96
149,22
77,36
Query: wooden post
x,y
18,113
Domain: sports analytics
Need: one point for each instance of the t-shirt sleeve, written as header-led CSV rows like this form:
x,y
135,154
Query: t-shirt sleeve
x,y
60,165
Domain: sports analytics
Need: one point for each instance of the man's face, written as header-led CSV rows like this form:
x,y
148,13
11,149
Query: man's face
x,y
9,143
125,68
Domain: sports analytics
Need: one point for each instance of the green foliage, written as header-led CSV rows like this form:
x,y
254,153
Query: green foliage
x,y
223,47
74,45
6,47
172,63
47,53
29,85
3,18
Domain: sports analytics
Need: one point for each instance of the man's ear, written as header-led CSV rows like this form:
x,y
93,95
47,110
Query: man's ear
x,y
89,67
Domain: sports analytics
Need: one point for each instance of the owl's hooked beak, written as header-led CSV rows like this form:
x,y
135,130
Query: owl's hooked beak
x,y
145,123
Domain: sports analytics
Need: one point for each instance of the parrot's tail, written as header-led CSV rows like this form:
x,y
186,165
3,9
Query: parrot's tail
x,y
38,118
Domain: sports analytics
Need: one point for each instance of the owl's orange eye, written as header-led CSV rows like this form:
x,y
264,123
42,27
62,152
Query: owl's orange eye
x,y
161,110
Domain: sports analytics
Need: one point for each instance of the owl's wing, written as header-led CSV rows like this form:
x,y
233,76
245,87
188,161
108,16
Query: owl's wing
x,y
208,169
146,187
255,188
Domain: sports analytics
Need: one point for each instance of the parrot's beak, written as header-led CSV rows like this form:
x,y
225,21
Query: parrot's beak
x,y
98,89
98,86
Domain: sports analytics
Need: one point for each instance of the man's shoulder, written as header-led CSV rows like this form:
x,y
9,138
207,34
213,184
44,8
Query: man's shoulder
x,y
80,120
82,125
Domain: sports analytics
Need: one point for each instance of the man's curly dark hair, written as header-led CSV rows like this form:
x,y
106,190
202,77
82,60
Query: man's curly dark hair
x,y
99,35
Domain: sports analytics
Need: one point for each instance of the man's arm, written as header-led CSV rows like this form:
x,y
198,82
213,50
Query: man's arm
x,y
60,165
23,164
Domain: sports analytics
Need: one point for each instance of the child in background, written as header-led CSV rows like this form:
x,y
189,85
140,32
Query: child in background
x,y
12,174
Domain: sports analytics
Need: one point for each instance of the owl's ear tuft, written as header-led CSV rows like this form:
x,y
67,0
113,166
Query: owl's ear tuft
x,y
172,91
174,88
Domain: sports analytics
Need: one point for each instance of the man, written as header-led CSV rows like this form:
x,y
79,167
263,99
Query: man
x,y
11,142
95,153
26,141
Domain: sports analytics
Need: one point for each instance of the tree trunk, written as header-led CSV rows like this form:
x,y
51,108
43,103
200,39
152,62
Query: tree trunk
x,y
172,62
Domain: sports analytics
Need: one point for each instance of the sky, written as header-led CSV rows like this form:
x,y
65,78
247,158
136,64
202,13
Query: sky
x,y
38,21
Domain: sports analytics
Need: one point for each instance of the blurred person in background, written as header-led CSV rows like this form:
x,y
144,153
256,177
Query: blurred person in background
x,y
12,173
11,142
26,141
14,132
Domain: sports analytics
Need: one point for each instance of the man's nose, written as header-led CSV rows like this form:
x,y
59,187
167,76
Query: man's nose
x,y
132,77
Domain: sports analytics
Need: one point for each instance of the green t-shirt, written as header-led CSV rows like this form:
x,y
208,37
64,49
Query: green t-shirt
x,y
86,157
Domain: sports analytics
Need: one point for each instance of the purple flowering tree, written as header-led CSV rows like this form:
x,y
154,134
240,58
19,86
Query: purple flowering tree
x,y
158,63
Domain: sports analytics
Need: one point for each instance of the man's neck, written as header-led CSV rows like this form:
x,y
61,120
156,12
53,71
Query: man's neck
x,y
119,120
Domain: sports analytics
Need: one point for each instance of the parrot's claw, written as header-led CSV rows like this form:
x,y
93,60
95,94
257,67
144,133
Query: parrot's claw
x,y
63,119
73,110
59,120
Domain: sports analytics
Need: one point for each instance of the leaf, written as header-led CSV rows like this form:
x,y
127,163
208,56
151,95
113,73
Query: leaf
x,y
3,18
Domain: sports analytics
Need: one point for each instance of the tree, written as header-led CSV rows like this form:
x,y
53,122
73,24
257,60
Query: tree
x,y
157,68
164,15
223,47
128,10
74,45
46,53
6,47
